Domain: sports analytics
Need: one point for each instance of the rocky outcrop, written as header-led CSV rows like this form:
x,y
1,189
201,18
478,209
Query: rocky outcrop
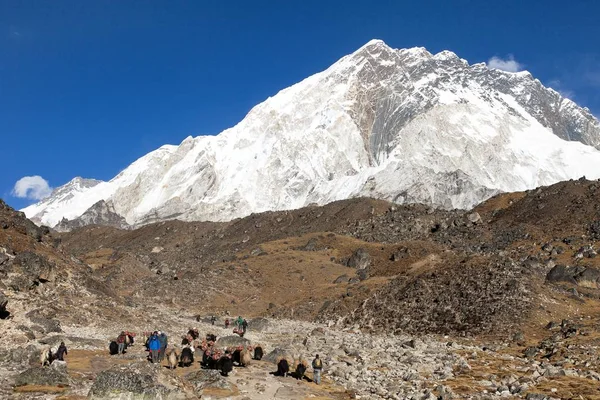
x,y
101,213
139,381
43,376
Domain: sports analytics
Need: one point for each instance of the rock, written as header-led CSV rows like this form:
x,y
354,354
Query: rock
x,y
259,324
48,324
474,217
33,270
536,396
258,252
519,338
41,376
342,279
360,259
363,274
232,341
311,245
21,355
531,352
207,378
139,381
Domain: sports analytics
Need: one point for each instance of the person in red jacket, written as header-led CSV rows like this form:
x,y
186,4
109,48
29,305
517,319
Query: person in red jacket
x,y
121,342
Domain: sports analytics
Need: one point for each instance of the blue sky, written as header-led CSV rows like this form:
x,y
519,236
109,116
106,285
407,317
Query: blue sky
x,y
87,87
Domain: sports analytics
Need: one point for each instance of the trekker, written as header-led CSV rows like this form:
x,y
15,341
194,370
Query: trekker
x,y
154,347
239,321
213,319
244,326
121,342
226,323
61,352
317,365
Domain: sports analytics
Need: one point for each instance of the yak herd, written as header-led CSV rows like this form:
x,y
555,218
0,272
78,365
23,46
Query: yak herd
x,y
214,357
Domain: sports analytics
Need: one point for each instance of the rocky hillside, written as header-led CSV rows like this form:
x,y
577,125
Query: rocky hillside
x,y
375,264
402,301
402,125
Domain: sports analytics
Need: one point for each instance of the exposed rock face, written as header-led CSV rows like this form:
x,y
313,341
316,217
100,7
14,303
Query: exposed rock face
x,y
401,125
101,213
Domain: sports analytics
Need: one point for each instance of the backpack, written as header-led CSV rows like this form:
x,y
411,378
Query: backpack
x,y
317,363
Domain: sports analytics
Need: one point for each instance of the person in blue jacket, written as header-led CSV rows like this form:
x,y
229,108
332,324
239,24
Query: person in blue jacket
x,y
154,347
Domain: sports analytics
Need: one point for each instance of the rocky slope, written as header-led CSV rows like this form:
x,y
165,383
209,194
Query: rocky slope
x,y
402,301
400,125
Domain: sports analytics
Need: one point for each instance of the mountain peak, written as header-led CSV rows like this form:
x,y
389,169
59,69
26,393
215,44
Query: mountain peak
x,y
399,125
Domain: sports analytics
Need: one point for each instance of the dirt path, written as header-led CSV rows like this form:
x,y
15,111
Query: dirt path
x,y
251,383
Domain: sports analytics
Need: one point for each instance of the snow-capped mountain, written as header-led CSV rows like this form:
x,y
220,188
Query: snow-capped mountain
x,y
402,125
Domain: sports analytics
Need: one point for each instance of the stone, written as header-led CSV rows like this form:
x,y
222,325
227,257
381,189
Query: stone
x,y
259,324
207,378
232,341
536,396
342,279
48,324
360,259
531,352
43,376
474,217
139,381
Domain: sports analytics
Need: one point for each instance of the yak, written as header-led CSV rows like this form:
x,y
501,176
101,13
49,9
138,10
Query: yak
x,y
258,353
187,357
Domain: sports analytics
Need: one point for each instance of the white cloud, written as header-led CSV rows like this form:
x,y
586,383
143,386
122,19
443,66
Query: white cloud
x,y
32,187
509,64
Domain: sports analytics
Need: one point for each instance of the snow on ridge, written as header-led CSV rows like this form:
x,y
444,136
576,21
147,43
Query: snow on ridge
x,y
400,125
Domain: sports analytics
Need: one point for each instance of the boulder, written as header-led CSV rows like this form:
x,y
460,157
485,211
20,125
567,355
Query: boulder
x,y
259,324
47,324
342,279
232,341
139,381
207,378
43,376
360,259
21,355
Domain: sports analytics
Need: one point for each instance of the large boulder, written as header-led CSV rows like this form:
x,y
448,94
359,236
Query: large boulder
x,y
576,275
232,341
360,259
43,376
21,355
47,324
207,378
135,381
259,324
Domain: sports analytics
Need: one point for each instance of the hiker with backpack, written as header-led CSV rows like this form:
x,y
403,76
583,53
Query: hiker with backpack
x,y
154,347
317,365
